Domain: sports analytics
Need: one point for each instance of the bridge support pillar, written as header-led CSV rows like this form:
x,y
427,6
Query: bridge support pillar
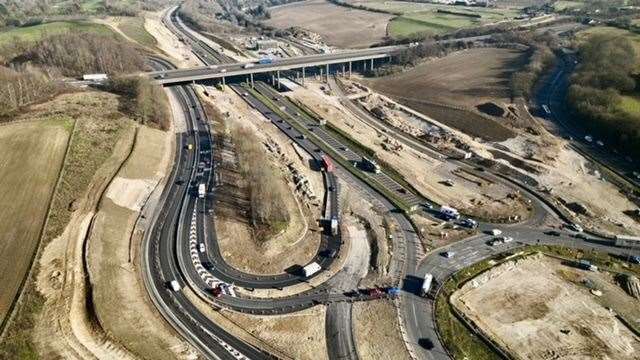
x,y
344,74
303,76
223,82
278,77
251,75
350,66
371,64
273,80
320,73
327,72
364,66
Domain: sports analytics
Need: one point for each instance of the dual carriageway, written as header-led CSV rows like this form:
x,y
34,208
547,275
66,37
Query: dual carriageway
x,y
169,248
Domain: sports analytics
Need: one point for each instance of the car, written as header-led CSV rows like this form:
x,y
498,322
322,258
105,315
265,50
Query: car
x,y
600,143
213,66
494,242
506,239
201,247
552,233
495,232
575,227
469,223
426,343
223,70
634,259
343,148
448,254
589,138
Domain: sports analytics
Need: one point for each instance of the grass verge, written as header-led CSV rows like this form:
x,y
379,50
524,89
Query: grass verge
x,y
91,144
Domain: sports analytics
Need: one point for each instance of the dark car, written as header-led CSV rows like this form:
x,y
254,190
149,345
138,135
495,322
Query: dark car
x,y
552,233
330,253
425,343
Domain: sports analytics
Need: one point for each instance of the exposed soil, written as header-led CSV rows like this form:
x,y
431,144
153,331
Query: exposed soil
x,y
532,310
299,242
338,25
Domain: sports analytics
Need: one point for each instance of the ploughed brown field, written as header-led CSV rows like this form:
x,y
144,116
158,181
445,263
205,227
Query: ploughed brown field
x,y
464,79
338,25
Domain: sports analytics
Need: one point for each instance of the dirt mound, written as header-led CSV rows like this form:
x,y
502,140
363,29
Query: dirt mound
x,y
490,108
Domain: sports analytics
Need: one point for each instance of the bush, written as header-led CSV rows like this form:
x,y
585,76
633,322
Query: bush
x,y
148,102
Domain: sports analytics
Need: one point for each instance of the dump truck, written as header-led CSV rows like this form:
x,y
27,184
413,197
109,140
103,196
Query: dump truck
x,y
311,269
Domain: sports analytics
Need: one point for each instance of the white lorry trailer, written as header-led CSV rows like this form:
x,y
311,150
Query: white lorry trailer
x,y
202,191
426,285
311,269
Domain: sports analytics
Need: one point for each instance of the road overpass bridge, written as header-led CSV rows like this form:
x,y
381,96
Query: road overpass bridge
x,y
319,63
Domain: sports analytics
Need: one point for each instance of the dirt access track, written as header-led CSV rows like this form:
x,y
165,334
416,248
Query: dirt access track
x,y
338,25
536,309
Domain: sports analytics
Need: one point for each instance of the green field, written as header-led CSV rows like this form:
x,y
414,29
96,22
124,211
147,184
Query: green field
x,y
564,5
423,17
133,27
429,22
34,33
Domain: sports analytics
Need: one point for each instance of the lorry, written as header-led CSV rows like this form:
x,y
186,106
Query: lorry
x,y
202,191
449,213
175,286
334,226
327,163
311,269
426,285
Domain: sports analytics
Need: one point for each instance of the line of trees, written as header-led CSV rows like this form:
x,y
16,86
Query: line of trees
x,y
267,191
144,101
541,58
81,53
607,72
23,85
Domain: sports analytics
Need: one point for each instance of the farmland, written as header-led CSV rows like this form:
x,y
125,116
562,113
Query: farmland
x,y
34,33
339,26
463,79
431,19
31,155
555,307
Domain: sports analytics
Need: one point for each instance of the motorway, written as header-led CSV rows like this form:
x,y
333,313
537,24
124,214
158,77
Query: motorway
x,y
553,94
184,222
